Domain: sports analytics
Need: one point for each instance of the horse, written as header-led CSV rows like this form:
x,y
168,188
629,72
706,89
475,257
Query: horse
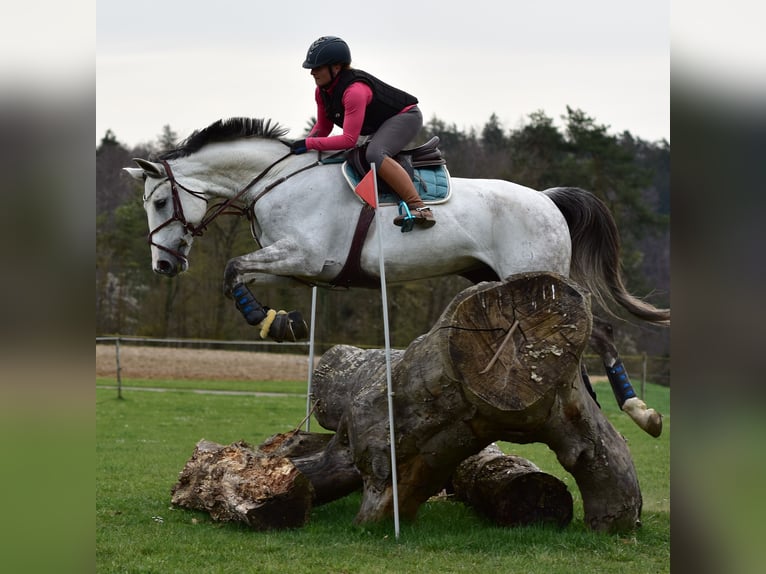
x,y
302,208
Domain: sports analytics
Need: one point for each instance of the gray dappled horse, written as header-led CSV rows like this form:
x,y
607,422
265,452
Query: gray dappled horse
x,y
303,212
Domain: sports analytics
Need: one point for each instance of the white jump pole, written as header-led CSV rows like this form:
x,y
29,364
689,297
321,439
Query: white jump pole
x,y
386,336
311,357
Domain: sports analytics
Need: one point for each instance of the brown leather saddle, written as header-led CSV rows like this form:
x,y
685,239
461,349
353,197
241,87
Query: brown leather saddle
x,y
426,155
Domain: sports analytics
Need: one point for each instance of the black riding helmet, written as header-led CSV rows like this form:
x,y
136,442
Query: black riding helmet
x,y
326,51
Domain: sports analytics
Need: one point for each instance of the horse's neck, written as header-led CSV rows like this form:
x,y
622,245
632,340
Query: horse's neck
x,y
272,169
228,168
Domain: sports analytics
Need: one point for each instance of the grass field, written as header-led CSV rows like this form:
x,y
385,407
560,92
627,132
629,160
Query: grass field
x,y
144,440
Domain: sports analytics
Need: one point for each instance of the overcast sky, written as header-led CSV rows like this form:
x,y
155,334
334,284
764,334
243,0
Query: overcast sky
x,y
187,64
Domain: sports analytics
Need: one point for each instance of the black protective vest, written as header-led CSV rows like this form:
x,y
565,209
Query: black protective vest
x,y
387,101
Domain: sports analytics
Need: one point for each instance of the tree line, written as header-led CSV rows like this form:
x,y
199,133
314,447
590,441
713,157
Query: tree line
x,y
630,174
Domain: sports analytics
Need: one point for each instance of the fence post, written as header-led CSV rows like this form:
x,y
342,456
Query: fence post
x,y
309,384
643,376
119,376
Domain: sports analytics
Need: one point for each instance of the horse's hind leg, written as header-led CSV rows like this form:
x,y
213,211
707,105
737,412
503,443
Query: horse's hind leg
x,y
602,341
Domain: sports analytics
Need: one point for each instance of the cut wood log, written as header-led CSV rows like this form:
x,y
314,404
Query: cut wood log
x,y
324,459
235,483
509,490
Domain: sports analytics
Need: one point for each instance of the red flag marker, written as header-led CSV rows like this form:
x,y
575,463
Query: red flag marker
x,y
366,189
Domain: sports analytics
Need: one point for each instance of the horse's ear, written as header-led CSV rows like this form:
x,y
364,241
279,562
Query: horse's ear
x,y
135,173
150,168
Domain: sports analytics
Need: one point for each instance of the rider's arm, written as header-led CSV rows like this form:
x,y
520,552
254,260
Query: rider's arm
x,y
355,100
323,125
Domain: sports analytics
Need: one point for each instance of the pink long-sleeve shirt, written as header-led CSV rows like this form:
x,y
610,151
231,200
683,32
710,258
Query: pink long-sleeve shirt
x,y
356,98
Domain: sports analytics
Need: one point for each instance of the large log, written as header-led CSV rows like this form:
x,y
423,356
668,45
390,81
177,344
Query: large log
x,y
510,490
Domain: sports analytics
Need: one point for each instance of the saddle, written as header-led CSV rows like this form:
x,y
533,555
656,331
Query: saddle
x,y
425,155
425,165
428,171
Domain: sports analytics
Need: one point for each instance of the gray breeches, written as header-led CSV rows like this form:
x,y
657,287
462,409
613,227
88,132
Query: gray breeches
x,y
395,133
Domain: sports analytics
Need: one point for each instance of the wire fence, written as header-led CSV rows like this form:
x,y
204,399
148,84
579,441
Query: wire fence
x,y
641,368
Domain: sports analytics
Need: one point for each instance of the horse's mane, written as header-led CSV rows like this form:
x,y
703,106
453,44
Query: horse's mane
x,y
226,130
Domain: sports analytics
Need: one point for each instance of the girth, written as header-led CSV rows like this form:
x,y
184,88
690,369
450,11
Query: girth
x,y
352,274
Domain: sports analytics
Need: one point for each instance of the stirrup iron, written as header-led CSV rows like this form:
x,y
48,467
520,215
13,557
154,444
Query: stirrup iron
x,y
408,223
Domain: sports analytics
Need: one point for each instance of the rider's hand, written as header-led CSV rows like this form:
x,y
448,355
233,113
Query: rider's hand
x,y
298,147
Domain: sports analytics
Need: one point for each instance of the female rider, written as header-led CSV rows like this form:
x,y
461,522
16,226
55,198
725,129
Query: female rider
x,y
362,104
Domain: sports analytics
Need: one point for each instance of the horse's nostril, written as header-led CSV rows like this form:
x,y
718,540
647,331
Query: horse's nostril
x,y
164,267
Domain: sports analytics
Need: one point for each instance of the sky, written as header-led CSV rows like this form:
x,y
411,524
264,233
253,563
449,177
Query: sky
x,y
187,64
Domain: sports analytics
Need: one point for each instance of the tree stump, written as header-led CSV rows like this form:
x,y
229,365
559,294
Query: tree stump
x,y
511,491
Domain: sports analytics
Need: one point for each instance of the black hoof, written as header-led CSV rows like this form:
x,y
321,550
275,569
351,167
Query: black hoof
x,y
288,327
300,329
280,328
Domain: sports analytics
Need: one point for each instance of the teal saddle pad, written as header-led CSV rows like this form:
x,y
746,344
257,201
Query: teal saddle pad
x,y
432,183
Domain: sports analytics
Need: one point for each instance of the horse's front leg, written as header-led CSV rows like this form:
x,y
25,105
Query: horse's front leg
x,y
274,264
602,341
277,262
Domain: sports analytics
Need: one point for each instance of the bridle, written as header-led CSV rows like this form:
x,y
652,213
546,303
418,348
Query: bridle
x,y
222,207
210,213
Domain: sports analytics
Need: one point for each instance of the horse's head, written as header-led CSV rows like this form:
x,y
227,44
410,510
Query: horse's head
x,y
174,213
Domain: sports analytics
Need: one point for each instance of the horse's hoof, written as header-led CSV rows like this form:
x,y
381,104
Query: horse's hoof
x,y
648,420
298,325
288,327
280,329
654,423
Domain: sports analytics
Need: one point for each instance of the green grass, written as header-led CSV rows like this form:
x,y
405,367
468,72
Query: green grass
x,y
287,387
144,440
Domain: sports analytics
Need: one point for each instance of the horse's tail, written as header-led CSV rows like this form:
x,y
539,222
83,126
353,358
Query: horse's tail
x,y
596,252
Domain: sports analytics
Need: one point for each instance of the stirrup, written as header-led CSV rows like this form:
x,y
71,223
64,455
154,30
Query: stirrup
x,y
406,220
420,216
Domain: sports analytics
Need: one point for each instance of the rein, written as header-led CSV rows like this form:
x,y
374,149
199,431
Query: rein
x,y
211,214
220,208
283,179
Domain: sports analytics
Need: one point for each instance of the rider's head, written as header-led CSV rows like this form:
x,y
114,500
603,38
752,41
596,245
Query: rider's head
x,y
329,51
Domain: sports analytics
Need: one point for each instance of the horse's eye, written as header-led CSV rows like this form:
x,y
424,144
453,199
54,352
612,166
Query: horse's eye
x,y
160,203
